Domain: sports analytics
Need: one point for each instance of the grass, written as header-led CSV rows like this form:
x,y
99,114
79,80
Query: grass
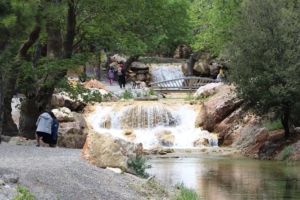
x,y
189,97
185,193
152,189
273,125
23,193
286,152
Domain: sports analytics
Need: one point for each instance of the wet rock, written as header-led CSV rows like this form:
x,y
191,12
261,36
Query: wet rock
x,y
201,142
155,149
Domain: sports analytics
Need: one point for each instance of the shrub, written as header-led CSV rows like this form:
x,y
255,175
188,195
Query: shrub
x,y
127,95
151,91
139,165
286,152
23,194
273,125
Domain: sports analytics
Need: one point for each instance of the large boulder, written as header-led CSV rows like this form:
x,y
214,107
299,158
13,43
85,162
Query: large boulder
x,y
220,112
118,58
201,68
209,89
165,138
214,70
63,114
104,150
71,137
139,66
114,65
63,100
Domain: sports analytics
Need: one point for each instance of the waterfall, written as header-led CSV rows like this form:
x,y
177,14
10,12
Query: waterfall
x,y
161,71
149,122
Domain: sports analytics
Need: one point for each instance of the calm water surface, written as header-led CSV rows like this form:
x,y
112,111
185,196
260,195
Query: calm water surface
x,y
220,178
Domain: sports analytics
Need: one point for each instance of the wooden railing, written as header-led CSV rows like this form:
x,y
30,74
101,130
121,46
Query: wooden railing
x,y
183,84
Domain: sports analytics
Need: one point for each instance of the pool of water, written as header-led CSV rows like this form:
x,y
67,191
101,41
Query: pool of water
x,y
222,178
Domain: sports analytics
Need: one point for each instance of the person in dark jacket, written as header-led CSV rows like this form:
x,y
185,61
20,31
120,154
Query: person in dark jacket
x,y
52,140
121,75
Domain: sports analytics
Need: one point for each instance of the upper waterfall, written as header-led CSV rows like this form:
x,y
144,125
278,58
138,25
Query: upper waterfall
x,y
166,71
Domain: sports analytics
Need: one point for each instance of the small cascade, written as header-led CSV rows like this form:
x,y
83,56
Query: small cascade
x,y
162,72
152,123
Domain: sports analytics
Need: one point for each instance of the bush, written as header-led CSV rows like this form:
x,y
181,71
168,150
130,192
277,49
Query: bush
x,y
23,194
273,125
286,152
139,165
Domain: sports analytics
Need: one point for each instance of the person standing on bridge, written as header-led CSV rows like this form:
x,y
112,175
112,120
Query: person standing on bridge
x,y
121,75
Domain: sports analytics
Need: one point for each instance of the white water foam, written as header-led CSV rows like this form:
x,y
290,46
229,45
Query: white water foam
x,y
162,72
183,128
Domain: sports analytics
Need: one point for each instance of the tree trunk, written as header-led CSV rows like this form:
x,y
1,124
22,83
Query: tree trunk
x,y
285,123
31,109
34,107
1,103
71,32
129,61
192,62
9,126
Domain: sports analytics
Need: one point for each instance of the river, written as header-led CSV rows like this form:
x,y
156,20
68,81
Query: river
x,y
225,178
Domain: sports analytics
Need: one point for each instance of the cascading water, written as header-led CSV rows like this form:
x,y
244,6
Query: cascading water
x,y
162,72
150,122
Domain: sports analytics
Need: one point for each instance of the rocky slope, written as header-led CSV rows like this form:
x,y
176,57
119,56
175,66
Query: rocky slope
x,y
223,113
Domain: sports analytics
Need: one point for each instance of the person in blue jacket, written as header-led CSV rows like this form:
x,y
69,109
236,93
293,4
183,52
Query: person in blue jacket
x,y
47,128
52,140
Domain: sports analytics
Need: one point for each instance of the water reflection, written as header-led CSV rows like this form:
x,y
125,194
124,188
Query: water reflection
x,y
228,179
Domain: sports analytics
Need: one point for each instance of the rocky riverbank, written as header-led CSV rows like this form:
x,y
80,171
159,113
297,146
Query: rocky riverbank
x,y
60,173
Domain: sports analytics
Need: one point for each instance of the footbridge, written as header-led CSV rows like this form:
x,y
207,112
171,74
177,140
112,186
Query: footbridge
x,y
183,84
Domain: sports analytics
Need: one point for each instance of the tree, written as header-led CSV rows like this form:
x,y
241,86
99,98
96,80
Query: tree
x,y
154,28
15,21
213,21
265,59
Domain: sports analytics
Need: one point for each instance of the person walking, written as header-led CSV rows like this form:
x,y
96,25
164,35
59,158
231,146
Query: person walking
x,y
121,75
44,125
111,75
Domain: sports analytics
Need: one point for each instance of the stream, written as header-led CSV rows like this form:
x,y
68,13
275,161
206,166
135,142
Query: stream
x,y
224,178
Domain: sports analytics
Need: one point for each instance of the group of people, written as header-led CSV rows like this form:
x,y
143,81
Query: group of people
x,y
47,128
121,75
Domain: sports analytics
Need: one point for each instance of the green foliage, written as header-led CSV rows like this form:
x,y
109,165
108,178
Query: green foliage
x,y
213,21
139,165
273,125
126,95
23,193
151,91
185,193
286,152
264,52
79,93
189,97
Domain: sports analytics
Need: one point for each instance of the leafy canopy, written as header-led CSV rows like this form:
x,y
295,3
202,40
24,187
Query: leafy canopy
x,y
264,56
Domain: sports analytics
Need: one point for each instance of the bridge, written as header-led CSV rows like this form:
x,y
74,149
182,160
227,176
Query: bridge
x,y
183,84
